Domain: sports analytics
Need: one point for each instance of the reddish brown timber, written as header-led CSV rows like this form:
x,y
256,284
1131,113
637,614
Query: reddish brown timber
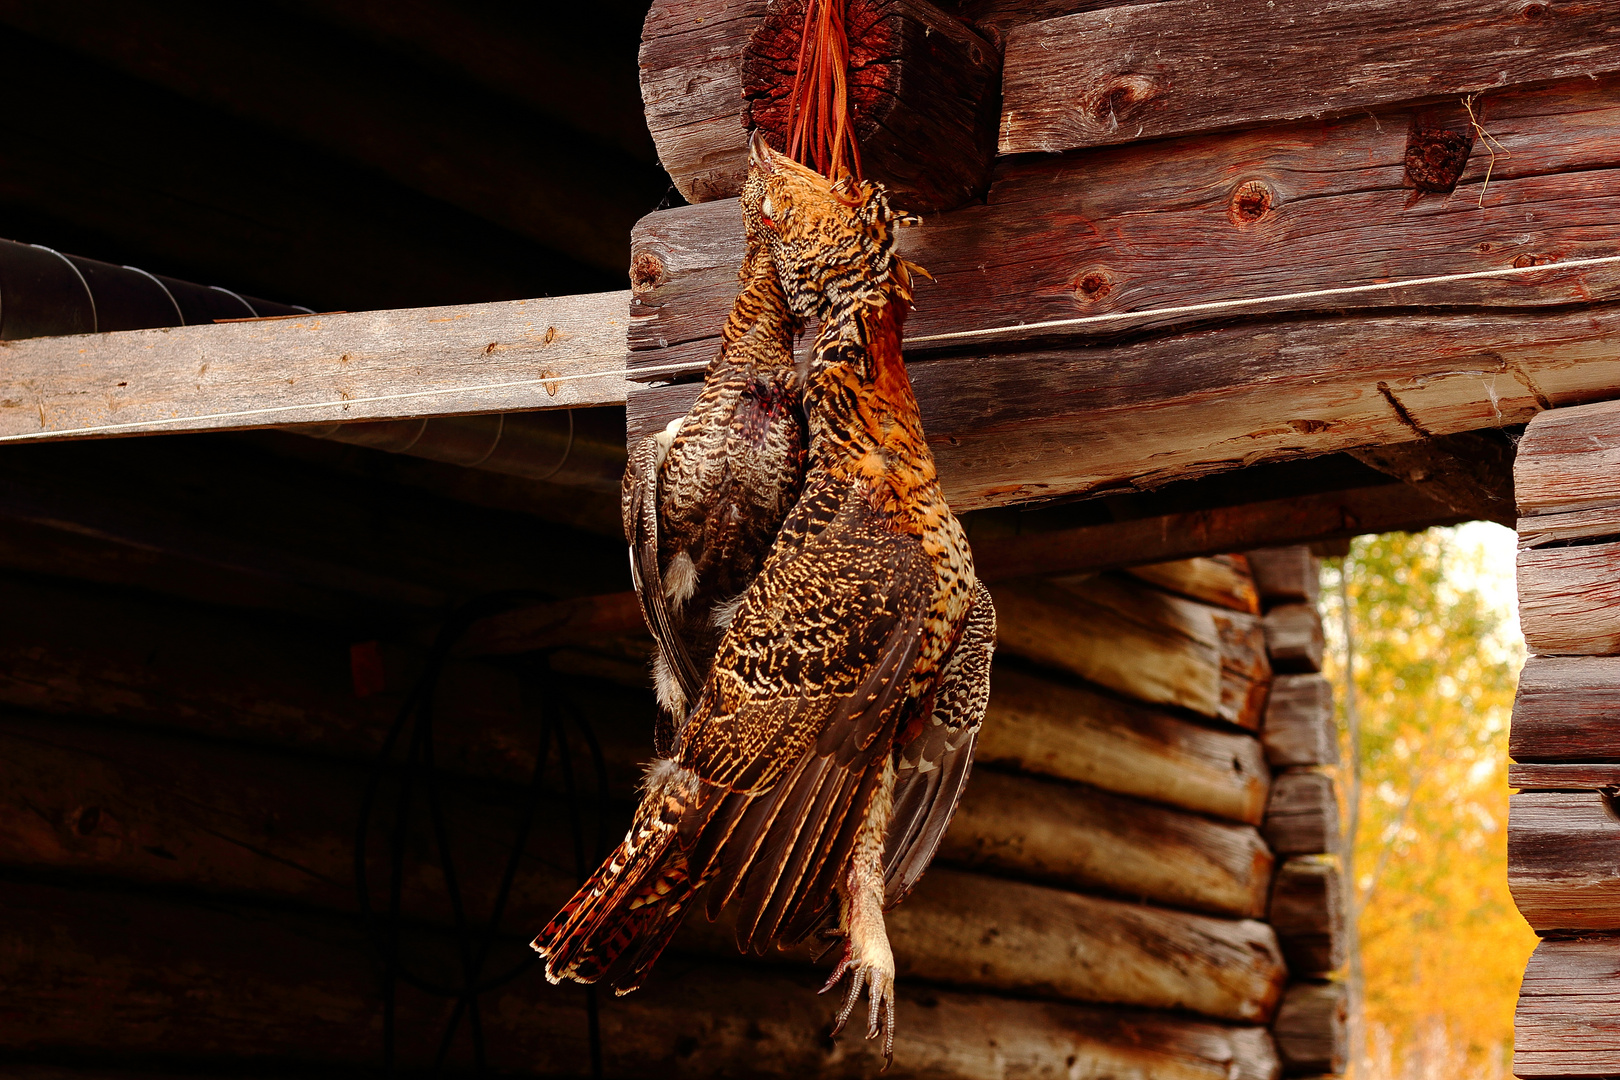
x,y
1223,580
1564,859
1299,727
1302,815
1236,216
923,92
969,929
1002,15
1564,776
1569,598
581,620
1083,80
1312,1030
1140,642
119,974
1567,709
1471,471
1294,637
377,365
1286,575
1074,733
1568,1020
1086,839
1569,460
1307,911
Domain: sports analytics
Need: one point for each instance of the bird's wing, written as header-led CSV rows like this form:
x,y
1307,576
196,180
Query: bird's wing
x,y
934,766
798,717
639,504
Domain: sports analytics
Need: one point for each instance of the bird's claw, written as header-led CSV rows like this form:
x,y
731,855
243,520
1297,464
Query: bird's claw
x,y
880,1011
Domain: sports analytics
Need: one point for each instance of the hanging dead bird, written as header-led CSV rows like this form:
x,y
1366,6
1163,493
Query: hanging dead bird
x,y
703,499
825,754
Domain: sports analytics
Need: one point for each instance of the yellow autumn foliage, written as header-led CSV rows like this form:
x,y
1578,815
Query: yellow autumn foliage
x,y
1436,655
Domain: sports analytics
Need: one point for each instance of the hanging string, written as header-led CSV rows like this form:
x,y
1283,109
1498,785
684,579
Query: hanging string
x,y
693,368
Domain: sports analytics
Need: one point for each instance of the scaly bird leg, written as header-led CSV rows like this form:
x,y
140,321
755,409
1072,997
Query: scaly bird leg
x,y
867,957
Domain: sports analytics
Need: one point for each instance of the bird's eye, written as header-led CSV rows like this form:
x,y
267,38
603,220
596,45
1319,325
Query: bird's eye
x,y
766,210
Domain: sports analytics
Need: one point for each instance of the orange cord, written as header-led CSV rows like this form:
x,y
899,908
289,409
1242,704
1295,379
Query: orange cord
x,y
820,133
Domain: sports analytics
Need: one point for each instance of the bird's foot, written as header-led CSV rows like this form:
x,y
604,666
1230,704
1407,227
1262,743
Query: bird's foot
x,y
870,969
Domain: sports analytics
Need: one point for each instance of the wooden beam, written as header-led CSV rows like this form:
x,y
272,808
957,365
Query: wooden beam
x,y
1070,732
1565,710
1313,61
378,365
1223,580
1299,727
1312,1029
1287,575
1564,859
1569,598
1302,815
124,971
1307,911
1568,1019
1090,840
1218,218
1471,472
1569,460
1565,776
1294,637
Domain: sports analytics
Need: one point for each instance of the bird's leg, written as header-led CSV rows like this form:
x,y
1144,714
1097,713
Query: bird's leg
x,y
867,957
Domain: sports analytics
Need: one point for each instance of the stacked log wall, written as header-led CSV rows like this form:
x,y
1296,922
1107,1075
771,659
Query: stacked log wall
x,y
1563,824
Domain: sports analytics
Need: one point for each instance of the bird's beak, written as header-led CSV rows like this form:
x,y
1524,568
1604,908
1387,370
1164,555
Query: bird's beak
x,y
759,151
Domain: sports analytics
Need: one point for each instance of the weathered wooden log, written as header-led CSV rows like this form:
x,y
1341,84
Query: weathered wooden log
x,y
1302,815
1471,471
186,668
1569,598
1564,776
121,974
1566,709
1081,80
1568,460
1564,859
564,622
1299,727
968,929
1307,912
1078,837
1201,219
923,90
999,16
1140,642
1312,1029
1074,733
1223,580
1568,1019
1286,575
1294,637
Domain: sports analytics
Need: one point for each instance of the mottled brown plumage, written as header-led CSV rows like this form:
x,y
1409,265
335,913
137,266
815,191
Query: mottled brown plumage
x,y
824,756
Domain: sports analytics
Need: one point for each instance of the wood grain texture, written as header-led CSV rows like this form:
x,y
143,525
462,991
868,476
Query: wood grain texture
x,y
1222,580
1074,733
1564,860
1471,471
152,380
1307,912
1299,727
1286,575
1092,79
1294,637
1091,840
1568,460
1568,1019
969,929
1302,815
1564,776
143,978
1140,642
1241,215
1312,1029
1569,598
1567,709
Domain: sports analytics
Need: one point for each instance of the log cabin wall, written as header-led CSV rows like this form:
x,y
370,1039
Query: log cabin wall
x,y
1563,824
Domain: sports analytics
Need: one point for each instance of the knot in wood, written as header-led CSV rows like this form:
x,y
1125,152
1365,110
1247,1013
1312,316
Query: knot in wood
x,y
1534,13
1250,204
646,271
1435,159
1093,285
1532,260
1113,102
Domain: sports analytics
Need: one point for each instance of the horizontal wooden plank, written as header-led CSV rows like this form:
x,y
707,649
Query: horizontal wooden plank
x,y
1286,575
1564,859
1194,220
1569,460
1307,912
1564,776
1071,732
376,365
1312,1028
1568,1020
1567,708
1223,580
119,975
1087,839
1092,79
1569,598
1302,815
1294,637
1299,727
